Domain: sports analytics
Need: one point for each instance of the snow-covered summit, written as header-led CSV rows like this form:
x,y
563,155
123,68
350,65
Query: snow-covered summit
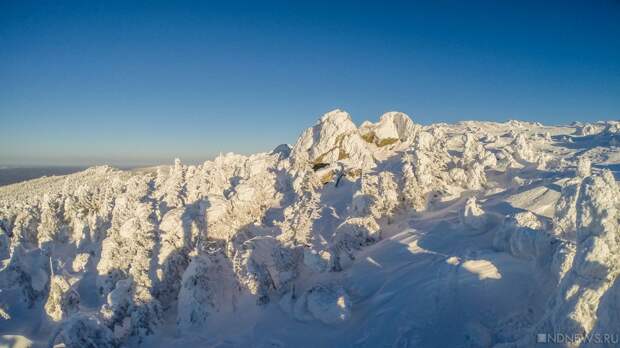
x,y
387,234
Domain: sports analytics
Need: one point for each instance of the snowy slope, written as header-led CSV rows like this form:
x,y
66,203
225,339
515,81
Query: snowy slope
x,y
390,234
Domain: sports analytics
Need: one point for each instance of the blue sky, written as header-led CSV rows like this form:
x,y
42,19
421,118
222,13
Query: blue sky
x,y
140,82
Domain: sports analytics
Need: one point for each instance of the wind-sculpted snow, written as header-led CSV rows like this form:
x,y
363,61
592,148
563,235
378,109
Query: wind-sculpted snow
x,y
587,298
390,234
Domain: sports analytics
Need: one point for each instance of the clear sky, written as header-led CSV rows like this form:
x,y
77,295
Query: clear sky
x,y
139,82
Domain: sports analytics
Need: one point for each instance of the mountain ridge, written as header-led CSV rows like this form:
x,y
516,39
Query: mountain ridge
x,y
225,252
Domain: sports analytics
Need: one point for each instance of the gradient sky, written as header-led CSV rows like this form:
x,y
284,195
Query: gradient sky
x,y
132,82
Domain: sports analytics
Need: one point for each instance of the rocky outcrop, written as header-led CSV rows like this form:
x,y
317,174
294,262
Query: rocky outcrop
x,y
334,138
391,128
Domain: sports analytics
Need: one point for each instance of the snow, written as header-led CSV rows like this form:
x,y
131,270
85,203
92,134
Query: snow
x,y
473,234
472,216
15,341
483,269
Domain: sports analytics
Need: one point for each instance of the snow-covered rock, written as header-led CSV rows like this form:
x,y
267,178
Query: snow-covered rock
x,y
335,137
391,128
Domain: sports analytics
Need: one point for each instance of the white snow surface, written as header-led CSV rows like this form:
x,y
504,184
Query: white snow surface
x,y
391,234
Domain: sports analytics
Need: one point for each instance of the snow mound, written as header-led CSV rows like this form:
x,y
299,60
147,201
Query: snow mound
x,y
83,331
327,303
472,215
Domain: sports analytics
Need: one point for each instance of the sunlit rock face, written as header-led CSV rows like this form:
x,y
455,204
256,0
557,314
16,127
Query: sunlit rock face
x,y
372,235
